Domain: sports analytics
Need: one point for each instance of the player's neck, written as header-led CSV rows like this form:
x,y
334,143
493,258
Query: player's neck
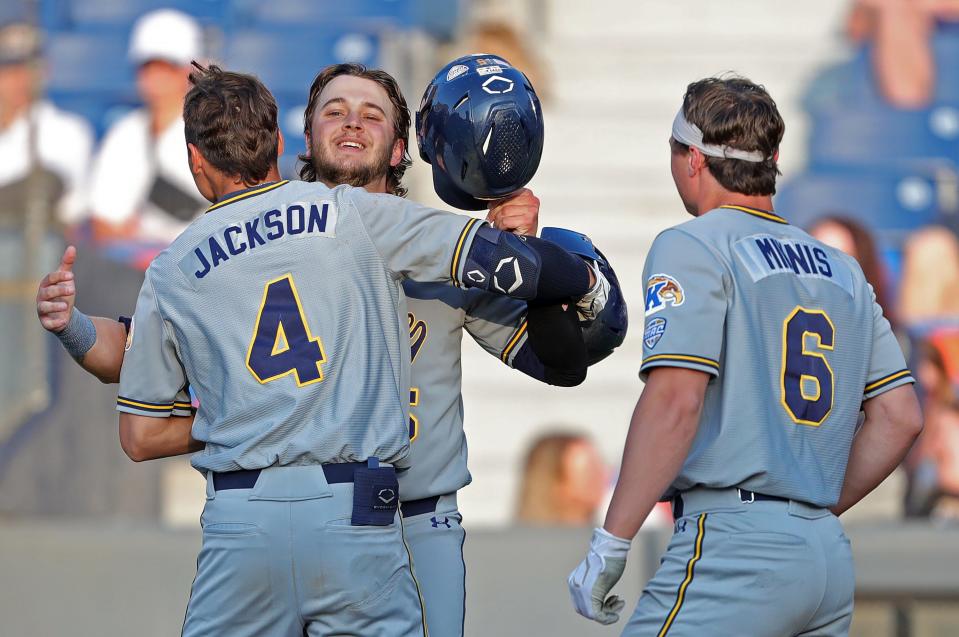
x,y
728,198
222,185
377,186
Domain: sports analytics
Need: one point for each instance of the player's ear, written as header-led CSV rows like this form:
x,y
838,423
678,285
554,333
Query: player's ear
x,y
279,143
195,158
776,155
398,149
309,143
696,161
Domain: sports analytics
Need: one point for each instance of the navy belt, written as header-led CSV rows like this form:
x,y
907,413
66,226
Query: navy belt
x,y
416,507
752,496
336,473
745,496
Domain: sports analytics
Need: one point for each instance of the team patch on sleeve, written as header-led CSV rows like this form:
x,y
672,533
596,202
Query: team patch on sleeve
x,y
663,290
655,328
129,343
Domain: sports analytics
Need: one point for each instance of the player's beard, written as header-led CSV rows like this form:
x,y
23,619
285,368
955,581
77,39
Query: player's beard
x,y
352,173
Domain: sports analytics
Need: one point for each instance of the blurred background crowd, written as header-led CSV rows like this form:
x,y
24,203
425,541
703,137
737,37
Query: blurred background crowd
x,y
92,153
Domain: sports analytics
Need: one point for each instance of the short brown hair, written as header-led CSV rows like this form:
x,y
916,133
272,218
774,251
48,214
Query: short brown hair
x,y
735,112
231,119
401,118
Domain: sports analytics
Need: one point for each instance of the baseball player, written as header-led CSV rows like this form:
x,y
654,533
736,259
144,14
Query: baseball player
x,y
303,416
761,347
348,102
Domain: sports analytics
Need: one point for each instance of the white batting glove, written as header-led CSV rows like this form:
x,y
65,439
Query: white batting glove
x,y
596,575
593,302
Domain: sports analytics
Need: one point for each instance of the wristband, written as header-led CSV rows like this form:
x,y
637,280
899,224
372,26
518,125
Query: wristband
x,y
79,336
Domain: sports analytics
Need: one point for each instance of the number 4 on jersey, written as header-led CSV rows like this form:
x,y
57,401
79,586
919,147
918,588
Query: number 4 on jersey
x,y
282,343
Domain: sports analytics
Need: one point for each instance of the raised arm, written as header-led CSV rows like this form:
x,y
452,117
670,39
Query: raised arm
x,y
96,343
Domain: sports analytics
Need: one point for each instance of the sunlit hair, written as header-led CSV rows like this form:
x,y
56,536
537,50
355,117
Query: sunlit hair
x,y
734,112
231,119
401,119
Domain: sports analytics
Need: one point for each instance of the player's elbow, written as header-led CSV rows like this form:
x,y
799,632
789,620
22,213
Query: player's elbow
x,y
899,412
911,420
134,442
566,377
107,379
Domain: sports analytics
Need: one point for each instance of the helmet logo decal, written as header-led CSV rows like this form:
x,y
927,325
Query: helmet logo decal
x,y
489,70
497,85
456,71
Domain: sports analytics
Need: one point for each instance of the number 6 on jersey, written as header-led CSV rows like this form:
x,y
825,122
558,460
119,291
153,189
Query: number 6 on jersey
x,y
807,379
282,343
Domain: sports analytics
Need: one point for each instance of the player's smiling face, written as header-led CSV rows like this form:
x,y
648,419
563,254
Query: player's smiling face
x,y
352,139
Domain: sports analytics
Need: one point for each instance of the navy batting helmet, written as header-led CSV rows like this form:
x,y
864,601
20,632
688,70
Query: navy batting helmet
x,y
480,126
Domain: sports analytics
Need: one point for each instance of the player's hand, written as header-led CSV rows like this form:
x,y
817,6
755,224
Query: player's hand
x,y
596,575
57,294
518,213
592,303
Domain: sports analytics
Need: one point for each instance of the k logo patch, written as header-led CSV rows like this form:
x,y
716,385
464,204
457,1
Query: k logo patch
x,y
655,328
663,290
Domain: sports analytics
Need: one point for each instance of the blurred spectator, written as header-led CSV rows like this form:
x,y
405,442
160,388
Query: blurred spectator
x,y
43,150
900,31
855,240
141,185
929,288
932,466
564,481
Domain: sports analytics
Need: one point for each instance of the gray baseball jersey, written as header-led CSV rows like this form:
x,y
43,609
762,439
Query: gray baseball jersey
x,y
790,331
283,308
437,315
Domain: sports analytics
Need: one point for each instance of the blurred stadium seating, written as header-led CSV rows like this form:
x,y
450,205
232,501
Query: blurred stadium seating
x,y
89,75
892,169
891,201
882,135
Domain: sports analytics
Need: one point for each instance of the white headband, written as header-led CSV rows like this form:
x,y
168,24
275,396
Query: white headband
x,y
689,134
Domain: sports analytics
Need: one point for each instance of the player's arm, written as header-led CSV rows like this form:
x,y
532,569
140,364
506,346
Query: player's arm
x,y
430,245
893,422
661,432
544,342
686,301
96,343
155,422
893,418
148,438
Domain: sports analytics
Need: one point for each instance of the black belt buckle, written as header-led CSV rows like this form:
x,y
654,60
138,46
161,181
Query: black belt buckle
x,y
376,495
